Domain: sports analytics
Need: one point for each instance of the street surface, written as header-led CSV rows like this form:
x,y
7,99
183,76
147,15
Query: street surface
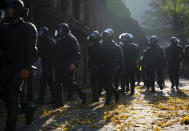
x,y
163,110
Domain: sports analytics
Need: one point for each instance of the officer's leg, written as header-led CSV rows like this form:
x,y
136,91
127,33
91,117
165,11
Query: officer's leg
x,y
29,88
52,88
160,77
78,90
101,82
123,81
68,84
171,76
58,88
42,89
94,85
176,76
144,76
58,93
108,88
152,81
11,102
117,78
51,83
11,99
127,80
132,79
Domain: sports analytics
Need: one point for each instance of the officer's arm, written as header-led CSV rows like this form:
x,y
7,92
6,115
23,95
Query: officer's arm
x,y
31,46
121,58
76,53
89,59
181,53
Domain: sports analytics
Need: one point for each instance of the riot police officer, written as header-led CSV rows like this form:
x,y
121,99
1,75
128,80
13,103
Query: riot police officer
x,y
66,59
174,55
93,63
153,60
17,46
130,56
46,46
111,59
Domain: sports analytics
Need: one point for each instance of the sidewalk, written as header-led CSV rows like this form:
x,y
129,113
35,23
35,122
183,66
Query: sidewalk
x,y
163,110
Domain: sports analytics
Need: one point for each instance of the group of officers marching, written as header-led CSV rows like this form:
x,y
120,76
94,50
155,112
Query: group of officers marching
x,y
111,65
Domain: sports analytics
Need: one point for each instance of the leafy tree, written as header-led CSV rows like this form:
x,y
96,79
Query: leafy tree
x,y
168,17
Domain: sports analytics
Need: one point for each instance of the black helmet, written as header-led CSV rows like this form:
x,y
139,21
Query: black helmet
x,y
107,35
126,38
43,32
94,36
18,7
153,40
174,40
62,30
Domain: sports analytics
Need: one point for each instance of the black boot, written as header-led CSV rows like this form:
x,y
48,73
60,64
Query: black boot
x,y
116,97
84,98
161,87
29,110
172,85
153,89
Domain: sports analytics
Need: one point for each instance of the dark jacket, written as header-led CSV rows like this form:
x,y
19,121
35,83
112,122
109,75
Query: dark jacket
x,y
174,54
17,44
153,57
111,57
130,54
46,48
93,56
67,51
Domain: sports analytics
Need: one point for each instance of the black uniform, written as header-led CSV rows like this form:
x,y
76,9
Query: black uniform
x,y
153,61
174,54
93,67
111,59
17,46
130,56
46,47
139,62
119,77
67,52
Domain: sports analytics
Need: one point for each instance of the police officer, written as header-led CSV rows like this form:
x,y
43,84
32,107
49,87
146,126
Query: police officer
x,y
17,47
119,77
111,59
66,59
46,46
93,63
130,56
174,55
153,60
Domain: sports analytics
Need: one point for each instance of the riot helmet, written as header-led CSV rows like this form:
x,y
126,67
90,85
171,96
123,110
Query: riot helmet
x,y
153,40
43,32
107,35
94,37
126,38
174,40
62,30
16,9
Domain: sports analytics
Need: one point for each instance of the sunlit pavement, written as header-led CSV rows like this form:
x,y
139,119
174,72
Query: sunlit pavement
x,y
163,110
